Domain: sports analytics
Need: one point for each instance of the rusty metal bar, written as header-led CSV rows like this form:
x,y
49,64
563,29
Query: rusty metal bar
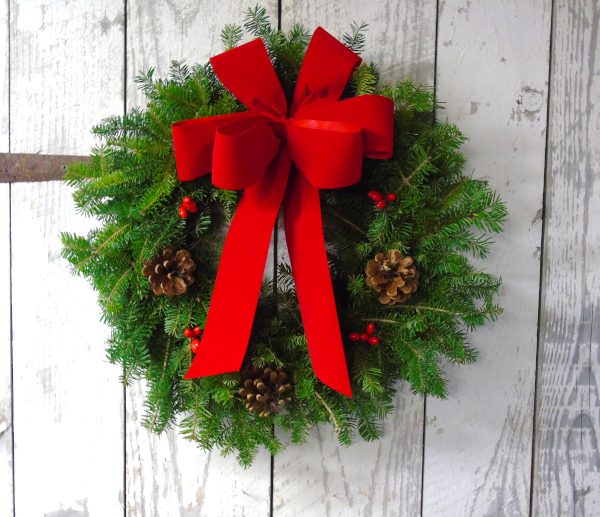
x,y
34,167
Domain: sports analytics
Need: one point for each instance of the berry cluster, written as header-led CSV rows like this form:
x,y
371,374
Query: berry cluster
x,y
192,334
187,205
367,335
380,200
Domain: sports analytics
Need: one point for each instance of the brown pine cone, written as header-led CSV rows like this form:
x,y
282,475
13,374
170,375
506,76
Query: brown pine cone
x,y
170,273
265,390
393,276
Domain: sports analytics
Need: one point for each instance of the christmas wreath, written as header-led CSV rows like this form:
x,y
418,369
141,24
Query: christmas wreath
x,y
227,355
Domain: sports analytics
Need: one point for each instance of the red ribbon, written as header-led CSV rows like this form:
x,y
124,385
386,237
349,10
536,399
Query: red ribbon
x,y
279,157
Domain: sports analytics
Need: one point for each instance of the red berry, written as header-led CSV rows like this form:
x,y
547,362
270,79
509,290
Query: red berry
x,y
188,332
197,330
194,345
381,204
189,204
370,328
375,195
183,212
364,336
391,197
373,341
354,336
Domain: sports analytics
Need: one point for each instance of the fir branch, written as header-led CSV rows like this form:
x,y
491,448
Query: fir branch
x,y
152,423
364,79
355,40
336,426
257,21
231,35
406,180
425,307
336,214
109,299
110,235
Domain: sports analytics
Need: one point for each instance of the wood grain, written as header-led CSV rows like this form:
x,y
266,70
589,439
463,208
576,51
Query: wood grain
x,y
492,78
189,30
400,38
380,478
67,398
167,475
66,74
67,71
4,73
567,456
6,464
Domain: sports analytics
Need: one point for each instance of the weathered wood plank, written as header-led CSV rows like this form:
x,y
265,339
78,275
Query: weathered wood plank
x,y
167,475
567,454
4,69
67,398
160,32
400,38
6,465
381,478
492,70
66,74
66,67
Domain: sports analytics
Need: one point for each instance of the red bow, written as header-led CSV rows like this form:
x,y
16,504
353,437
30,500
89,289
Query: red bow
x,y
280,157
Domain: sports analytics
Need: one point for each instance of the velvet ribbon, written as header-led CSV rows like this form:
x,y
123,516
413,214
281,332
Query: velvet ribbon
x,y
281,156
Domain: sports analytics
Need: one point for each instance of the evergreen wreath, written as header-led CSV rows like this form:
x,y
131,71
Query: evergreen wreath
x,y
398,245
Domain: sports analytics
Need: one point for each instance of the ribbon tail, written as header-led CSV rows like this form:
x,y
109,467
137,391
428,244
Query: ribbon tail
x,y
308,257
230,316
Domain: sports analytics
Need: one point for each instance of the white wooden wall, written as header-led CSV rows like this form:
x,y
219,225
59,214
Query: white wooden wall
x,y
519,434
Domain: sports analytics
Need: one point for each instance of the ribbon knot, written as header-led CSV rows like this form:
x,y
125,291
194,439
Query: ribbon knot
x,y
281,157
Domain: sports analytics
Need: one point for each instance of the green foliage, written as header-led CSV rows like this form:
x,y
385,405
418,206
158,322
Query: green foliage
x,y
231,35
441,218
355,39
364,80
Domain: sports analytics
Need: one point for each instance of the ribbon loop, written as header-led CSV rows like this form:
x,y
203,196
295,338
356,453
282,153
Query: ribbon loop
x,y
373,113
326,69
322,144
193,144
238,161
247,72
311,143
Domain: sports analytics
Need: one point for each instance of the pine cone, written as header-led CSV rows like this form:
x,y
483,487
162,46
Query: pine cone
x,y
170,273
393,276
265,390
